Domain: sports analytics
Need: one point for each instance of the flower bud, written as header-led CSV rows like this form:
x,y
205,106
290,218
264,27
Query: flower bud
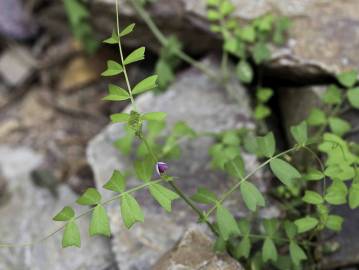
x,y
161,167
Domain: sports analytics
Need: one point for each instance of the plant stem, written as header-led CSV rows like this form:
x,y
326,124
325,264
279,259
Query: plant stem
x,y
179,191
122,58
322,168
194,208
237,185
9,245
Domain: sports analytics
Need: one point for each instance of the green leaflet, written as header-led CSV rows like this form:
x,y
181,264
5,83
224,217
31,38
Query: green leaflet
x,y
332,95
339,126
348,78
131,211
334,223
113,68
227,225
71,236
231,138
337,150
163,196
290,229
204,196
306,224
165,73
127,30
300,133
113,39
261,53
90,197
312,197
354,196
144,169
120,117
316,118
281,26
313,175
65,214
99,222
220,245
353,97
116,93
285,172
261,112
266,145
243,248
244,227
270,226
136,55
269,250
251,196
144,85
296,253
244,72
235,167
226,8
264,94
248,34
337,193
155,116
116,183
251,144
264,23
235,47
341,171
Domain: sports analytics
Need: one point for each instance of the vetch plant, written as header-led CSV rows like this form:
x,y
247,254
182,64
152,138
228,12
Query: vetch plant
x,y
305,194
249,42
78,17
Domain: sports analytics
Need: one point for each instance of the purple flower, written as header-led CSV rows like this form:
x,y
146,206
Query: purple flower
x,y
161,167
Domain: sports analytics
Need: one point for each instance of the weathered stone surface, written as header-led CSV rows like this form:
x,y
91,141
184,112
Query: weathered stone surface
x,y
348,240
195,252
205,106
26,216
323,38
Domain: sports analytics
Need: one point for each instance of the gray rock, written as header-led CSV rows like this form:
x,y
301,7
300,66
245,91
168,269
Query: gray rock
x,y
296,103
26,216
3,184
205,106
323,38
195,252
16,66
15,22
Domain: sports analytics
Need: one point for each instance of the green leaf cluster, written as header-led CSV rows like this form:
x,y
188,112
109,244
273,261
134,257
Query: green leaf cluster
x,y
78,16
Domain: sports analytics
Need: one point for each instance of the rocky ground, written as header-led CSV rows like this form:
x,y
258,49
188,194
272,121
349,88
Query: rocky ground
x,y
55,142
